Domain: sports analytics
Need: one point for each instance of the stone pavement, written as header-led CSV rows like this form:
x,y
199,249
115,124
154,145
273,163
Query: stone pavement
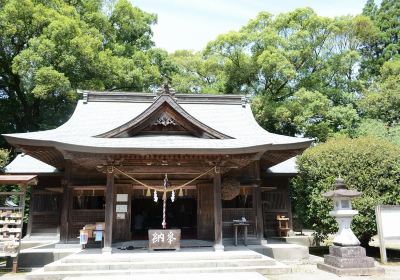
x,y
300,272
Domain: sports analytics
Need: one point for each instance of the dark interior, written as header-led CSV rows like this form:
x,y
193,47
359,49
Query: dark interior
x,y
147,214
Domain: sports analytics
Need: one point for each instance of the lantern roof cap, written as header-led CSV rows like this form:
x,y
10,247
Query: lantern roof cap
x,y
341,190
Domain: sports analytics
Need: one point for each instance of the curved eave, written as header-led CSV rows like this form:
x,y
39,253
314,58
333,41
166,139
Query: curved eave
x,y
17,141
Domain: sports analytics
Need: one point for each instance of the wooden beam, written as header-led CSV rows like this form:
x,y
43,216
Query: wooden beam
x,y
257,203
170,169
140,187
155,183
66,202
109,211
218,246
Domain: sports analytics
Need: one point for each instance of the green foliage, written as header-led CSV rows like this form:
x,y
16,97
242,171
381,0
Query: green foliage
x,y
383,44
285,61
196,74
48,49
312,115
4,156
381,100
367,164
377,128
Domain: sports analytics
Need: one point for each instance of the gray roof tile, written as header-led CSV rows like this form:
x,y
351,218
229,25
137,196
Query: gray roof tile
x,y
94,118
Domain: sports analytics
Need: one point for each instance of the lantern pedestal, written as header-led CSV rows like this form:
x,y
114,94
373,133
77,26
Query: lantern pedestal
x,y
349,261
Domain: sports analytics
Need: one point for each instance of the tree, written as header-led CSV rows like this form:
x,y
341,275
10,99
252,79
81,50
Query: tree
x,y
230,50
310,114
281,59
379,129
367,164
383,43
48,49
370,9
381,100
197,73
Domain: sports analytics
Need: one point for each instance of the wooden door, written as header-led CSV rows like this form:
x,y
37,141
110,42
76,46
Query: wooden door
x,y
205,212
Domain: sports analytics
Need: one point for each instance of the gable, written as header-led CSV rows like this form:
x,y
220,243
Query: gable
x,y
165,116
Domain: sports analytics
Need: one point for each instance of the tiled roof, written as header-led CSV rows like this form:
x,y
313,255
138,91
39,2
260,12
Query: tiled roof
x,y
25,164
286,167
98,113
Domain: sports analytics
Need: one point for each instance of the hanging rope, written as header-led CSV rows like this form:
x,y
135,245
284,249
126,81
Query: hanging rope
x,y
164,221
164,190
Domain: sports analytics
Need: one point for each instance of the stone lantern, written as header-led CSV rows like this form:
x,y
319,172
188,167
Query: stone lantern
x,y
343,213
346,257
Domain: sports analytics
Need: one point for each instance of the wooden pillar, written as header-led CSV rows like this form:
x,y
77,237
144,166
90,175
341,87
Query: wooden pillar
x,y
66,202
218,246
109,211
30,217
22,209
289,204
257,203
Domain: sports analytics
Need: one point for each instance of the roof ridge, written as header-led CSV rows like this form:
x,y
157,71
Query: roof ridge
x,y
147,97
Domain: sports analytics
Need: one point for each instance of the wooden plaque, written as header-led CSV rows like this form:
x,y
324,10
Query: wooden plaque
x,y
164,239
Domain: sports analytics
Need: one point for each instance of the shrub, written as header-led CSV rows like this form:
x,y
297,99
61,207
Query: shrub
x,y
367,164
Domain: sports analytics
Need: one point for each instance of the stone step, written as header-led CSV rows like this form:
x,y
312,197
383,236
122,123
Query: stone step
x,y
283,251
164,264
59,275
160,256
183,276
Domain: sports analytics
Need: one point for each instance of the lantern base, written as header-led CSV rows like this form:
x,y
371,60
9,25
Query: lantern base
x,y
349,261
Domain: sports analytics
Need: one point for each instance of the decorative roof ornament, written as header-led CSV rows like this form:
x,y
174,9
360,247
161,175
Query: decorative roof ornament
x,y
165,89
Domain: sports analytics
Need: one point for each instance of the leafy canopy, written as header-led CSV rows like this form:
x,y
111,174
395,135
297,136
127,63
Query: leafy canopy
x,y
381,101
50,48
383,43
286,62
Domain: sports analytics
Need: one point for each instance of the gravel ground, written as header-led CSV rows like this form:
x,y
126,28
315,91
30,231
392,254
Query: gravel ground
x,y
311,272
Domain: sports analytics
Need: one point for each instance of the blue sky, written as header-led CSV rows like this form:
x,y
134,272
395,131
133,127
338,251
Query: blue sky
x,y
190,24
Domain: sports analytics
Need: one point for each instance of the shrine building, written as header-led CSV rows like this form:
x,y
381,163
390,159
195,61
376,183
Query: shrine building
x,y
122,154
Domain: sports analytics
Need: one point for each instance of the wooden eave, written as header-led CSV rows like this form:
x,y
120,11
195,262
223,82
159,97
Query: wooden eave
x,y
18,180
49,155
273,157
165,104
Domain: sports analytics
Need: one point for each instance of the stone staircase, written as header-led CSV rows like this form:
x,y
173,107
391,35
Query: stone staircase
x,y
86,264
